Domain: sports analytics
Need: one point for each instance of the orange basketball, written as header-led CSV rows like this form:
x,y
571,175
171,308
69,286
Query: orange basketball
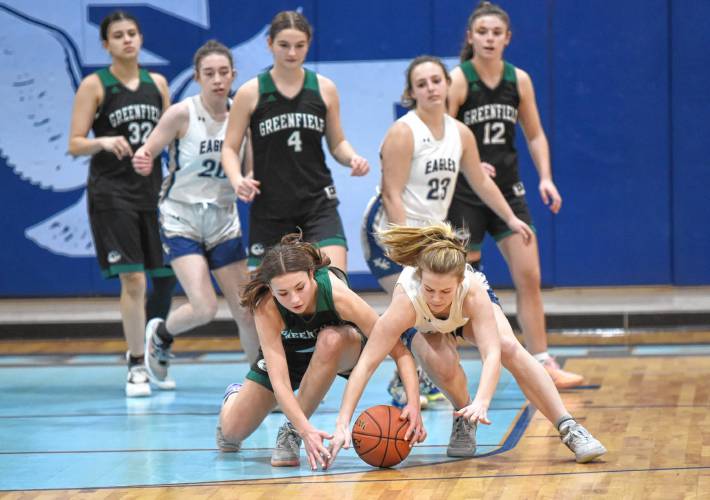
x,y
378,436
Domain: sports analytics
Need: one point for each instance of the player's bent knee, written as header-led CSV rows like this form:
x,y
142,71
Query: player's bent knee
x,y
330,341
205,311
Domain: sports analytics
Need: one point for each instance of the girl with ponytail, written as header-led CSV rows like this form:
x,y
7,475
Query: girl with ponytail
x,y
441,296
311,327
489,95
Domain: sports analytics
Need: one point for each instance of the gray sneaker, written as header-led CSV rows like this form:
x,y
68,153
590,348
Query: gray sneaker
x,y
288,447
462,442
157,356
223,443
578,439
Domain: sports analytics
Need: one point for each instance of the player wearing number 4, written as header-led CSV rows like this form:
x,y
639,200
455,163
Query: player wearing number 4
x,y
490,95
288,110
198,215
122,104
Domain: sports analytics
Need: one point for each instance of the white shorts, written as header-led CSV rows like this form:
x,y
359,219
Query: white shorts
x,y
202,222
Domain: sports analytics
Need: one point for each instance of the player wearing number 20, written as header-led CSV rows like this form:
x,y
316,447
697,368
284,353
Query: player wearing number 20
x,y
199,224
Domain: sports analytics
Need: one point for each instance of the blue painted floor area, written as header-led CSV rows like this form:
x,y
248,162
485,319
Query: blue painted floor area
x,y
68,425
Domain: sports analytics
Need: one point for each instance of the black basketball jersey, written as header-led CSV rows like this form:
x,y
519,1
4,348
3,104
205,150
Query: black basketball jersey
x,y
287,137
491,114
113,184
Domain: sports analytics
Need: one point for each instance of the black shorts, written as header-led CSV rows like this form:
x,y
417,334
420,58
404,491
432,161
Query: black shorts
x,y
320,224
298,357
475,219
128,241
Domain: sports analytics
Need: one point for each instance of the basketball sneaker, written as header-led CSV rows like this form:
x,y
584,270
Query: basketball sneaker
x,y
137,383
157,356
428,390
223,443
395,388
288,447
462,442
562,379
578,439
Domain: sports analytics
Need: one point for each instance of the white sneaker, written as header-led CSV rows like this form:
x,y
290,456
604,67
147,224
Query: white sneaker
x,y
137,382
578,439
157,357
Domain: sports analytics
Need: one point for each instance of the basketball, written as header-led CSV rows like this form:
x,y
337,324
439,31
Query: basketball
x,y
378,436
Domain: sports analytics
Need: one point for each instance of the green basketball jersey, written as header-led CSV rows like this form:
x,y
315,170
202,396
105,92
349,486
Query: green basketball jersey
x,y
303,331
113,184
287,137
492,114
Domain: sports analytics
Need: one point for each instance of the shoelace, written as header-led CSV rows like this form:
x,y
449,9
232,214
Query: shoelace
x,y
289,438
162,353
462,430
578,433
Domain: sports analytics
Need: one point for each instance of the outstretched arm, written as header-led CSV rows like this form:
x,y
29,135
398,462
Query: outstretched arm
x,y
383,339
269,326
479,308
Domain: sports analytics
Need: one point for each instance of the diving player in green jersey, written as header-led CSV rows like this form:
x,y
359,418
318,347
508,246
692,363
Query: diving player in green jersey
x,y
489,95
288,110
122,104
311,327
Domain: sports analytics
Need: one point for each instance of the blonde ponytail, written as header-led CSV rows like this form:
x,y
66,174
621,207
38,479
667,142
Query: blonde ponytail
x,y
435,248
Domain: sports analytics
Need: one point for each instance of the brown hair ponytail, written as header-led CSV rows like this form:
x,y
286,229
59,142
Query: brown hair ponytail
x,y
291,255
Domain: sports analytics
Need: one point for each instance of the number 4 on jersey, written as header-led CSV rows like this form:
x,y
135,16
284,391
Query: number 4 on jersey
x,y
294,140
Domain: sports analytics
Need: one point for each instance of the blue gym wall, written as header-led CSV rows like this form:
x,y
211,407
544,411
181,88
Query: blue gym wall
x,y
621,92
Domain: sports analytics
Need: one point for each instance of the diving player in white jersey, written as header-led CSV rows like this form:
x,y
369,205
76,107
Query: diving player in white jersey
x,y
442,297
421,157
198,216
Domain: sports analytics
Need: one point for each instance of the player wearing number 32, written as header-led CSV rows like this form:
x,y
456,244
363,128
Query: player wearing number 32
x,y
199,223
122,104
288,110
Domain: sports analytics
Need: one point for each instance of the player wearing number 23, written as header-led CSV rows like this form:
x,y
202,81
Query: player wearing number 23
x,y
422,154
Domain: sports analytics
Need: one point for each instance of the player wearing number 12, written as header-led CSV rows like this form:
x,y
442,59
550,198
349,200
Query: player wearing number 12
x,y
122,104
289,109
489,95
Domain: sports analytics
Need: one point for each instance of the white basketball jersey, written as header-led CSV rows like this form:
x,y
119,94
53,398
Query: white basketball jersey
x,y
426,321
434,170
195,172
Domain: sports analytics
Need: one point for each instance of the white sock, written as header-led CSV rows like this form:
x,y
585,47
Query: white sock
x,y
542,356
